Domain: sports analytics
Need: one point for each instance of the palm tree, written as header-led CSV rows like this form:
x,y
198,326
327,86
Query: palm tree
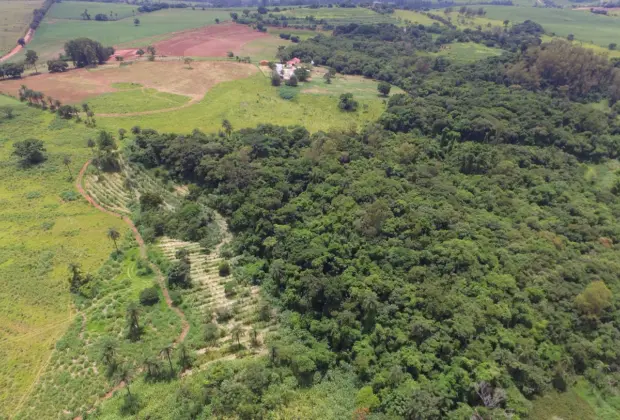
x,y
237,332
185,360
167,350
125,376
133,321
227,126
108,354
113,234
254,337
152,367
66,160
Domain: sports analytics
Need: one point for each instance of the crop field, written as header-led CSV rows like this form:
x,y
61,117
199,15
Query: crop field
x,y
74,10
586,27
53,33
173,77
340,16
45,225
15,16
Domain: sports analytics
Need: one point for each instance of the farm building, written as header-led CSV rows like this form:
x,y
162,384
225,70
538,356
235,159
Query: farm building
x,y
288,69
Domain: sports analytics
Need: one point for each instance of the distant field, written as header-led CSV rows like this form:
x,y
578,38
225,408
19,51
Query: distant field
x,y
44,226
15,16
253,101
74,9
587,27
468,52
53,33
340,16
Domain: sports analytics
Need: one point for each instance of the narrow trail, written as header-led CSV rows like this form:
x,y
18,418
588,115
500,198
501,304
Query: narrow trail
x,y
18,47
143,254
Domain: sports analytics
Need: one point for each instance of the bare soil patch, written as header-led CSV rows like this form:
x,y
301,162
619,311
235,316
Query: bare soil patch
x,y
165,76
210,41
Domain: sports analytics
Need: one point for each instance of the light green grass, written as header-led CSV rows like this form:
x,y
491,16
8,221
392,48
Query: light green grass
x,y
303,34
468,52
360,87
54,33
39,236
76,376
252,101
135,100
413,17
340,16
567,405
73,10
15,17
587,27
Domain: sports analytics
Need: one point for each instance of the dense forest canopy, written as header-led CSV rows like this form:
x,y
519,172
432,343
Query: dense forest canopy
x,y
453,255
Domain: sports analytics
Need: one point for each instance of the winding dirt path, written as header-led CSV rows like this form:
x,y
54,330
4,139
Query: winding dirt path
x,y
18,47
143,254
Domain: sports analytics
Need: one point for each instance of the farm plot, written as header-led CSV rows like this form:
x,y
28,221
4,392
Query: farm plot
x,y
75,9
211,41
166,76
338,16
15,17
216,298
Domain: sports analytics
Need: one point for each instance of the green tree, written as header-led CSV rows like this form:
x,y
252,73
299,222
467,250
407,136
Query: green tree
x,y
167,351
133,324
7,111
188,62
384,88
276,80
140,52
136,22
114,235
31,59
347,103
109,349
122,133
292,81
227,127
594,300
184,358
30,151
66,160
236,333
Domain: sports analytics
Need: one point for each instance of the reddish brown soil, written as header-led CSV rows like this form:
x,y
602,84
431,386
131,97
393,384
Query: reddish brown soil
x,y
18,47
210,41
128,54
77,85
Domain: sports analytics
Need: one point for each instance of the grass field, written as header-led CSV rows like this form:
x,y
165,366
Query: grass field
x,y
53,33
15,16
587,27
44,227
468,52
253,101
340,16
74,9
135,100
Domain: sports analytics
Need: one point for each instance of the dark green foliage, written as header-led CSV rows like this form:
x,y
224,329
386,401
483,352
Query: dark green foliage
x,y
302,74
288,92
224,269
30,151
149,296
292,81
347,103
86,52
57,66
179,275
11,70
276,80
384,88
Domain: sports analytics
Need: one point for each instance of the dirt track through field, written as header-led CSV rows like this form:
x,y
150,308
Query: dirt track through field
x,y
18,47
143,254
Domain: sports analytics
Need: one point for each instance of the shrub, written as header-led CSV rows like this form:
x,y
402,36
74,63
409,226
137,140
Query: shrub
x,y
287,93
292,82
224,269
149,296
223,314
230,288
285,36
69,196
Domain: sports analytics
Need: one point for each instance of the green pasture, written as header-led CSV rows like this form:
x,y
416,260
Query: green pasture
x,y
54,33
135,100
15,17
360,87
339,16
467,52
586,27
44,226
74,9
252,101
77,353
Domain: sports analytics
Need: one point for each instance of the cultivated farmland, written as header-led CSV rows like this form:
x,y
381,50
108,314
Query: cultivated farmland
x,y
15,17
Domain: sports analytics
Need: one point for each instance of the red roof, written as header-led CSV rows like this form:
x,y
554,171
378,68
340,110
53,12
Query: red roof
x,y
293,61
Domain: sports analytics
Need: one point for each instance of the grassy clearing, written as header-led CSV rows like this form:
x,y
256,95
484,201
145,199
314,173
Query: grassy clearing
x,y
73,10
303,34
76,376
360,87
15,16
262,48
468,52
567,406
414,17
135,100
44,226
252,101
53,33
